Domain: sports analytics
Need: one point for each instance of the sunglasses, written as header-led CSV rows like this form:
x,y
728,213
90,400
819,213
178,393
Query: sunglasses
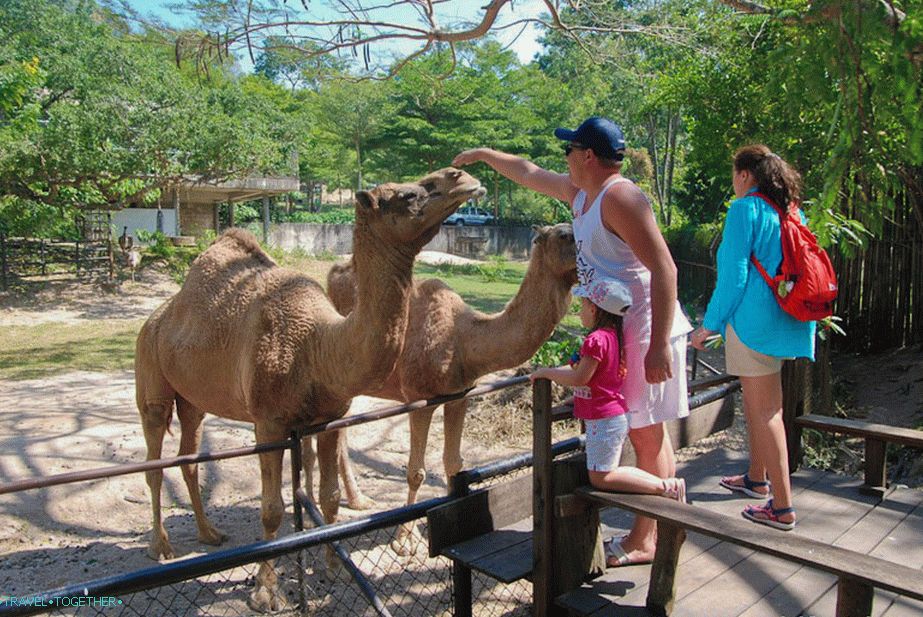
x,y
568,148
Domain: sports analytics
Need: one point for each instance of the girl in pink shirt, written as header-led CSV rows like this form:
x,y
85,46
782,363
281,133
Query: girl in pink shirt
x,y
597,375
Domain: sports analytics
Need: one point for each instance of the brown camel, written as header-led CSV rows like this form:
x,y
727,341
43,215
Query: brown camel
x,y
248,340
449,345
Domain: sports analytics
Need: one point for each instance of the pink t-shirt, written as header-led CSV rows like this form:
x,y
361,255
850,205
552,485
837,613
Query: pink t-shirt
x,y
602,396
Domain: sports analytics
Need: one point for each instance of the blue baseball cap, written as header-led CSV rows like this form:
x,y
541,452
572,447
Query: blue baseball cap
x,y
601,135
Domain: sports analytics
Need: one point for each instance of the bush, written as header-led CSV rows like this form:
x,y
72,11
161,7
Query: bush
x,y
157,243
557,350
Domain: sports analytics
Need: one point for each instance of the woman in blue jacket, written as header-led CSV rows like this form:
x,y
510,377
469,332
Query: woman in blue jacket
x,y
758,334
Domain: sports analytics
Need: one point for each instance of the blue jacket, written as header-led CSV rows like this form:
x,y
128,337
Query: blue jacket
x,y
741,297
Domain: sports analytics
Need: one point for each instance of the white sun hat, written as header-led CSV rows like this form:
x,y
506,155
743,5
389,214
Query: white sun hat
x,y
609,294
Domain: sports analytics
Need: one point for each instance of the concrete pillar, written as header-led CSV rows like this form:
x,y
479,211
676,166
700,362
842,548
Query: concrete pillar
x,y
175,198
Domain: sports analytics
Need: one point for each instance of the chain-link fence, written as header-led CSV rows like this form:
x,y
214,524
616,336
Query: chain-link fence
x,y
312,581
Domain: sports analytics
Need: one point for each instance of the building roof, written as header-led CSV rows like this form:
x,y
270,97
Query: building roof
x,y
194,191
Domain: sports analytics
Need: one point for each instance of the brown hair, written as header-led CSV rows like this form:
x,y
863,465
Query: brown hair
x,y
774,177
605,319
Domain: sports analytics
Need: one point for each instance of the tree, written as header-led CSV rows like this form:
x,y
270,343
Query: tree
x,y
107,119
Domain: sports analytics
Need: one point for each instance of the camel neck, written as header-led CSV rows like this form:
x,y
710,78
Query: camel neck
x,y
373,333
512,336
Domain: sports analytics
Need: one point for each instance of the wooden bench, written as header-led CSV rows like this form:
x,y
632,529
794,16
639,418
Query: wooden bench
x,y
877,436
491,531
858,574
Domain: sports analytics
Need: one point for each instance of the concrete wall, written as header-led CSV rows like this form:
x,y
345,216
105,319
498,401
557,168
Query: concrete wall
x,y
143,218
468,241
196,218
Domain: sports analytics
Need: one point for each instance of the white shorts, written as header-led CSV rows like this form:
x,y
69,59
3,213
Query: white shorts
x,y
650,404
604,439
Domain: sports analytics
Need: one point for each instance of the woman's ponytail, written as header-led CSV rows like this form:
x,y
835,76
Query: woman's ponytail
x,y
775,178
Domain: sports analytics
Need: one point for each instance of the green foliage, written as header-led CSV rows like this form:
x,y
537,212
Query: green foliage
x,y
332,216
157,243
495,269
95,115
557,350
819,448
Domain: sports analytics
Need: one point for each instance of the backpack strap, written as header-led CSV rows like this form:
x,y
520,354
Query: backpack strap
x,y
753,259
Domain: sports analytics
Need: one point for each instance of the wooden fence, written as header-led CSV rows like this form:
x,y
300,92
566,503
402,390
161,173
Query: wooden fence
x,y
23,258
881,288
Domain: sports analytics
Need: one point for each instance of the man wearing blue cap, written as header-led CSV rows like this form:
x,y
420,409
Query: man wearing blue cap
x,y
617,237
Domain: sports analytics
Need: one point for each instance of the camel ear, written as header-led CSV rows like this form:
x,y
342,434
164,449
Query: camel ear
x,y
366,199
538,234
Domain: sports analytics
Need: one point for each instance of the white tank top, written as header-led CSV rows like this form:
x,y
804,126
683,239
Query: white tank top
x,y
602,253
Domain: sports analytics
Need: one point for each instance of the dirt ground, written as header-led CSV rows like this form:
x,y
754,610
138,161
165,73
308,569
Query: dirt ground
x,y
84,420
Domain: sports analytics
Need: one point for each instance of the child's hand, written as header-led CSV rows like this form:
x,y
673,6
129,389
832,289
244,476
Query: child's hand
x,y
541,373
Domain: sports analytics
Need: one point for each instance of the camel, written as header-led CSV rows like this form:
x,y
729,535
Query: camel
x,y
248,340
449,345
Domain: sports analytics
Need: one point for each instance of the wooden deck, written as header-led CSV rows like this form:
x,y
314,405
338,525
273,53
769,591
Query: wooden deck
x,y
717,579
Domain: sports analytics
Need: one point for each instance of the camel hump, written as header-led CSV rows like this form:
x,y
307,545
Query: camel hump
x,y
245,241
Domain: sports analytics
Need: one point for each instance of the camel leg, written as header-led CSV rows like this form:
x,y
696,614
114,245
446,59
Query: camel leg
x,y
453,423
307,465
328,445
190,419
404,542
355,499
266,596
155,418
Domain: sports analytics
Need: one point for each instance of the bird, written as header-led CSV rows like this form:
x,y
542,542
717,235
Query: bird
x,y
125,241
134,260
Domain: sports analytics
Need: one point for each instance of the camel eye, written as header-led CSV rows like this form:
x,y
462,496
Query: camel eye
x,y
429,187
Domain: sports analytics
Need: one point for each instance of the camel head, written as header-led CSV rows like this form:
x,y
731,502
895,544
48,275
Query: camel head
x,y
556,250
411,213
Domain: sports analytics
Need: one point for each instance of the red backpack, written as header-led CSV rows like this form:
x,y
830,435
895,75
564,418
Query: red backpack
x,y
805,285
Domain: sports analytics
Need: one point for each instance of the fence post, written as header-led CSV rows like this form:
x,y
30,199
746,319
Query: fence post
x,y
42,257
77,257
795,403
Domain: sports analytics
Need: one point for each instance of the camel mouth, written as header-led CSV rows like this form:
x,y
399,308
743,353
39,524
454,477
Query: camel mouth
x,y
472,190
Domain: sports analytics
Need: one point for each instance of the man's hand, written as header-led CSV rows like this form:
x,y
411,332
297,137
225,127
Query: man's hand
x,y
468,157
658,363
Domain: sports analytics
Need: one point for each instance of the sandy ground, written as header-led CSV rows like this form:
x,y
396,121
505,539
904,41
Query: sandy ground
x,y
85,420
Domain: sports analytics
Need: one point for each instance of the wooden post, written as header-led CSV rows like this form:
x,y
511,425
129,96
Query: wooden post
x,y
542,501
215,217
853,599
461,589
461,573
266,219
661,593
794,404
578,544
230,214
876,482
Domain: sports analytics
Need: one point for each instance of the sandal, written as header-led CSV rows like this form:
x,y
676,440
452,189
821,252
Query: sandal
x,y
675,488
730,483
767,515
616,557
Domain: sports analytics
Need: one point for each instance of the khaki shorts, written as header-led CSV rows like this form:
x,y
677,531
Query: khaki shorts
x,y
745,362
